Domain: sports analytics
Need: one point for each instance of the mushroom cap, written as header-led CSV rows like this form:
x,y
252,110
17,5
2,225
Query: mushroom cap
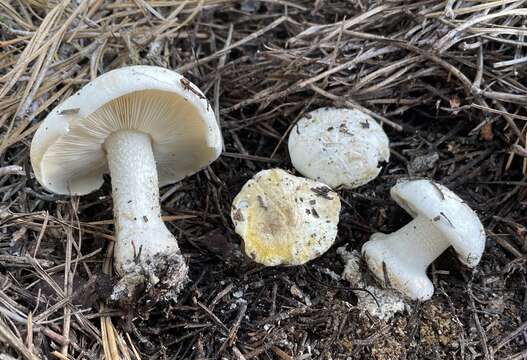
x,y
458,223
285,219
339,147
67,152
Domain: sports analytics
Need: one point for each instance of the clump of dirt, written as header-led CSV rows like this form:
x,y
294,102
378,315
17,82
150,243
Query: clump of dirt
x,y
388,349
378,302
438,331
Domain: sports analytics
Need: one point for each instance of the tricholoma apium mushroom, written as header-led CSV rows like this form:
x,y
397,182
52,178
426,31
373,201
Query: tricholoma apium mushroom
x,y
441,219
339,147
148,127
284,219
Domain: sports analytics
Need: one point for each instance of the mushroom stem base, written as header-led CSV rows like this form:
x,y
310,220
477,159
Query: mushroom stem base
x,y
399,260
146,254
161,277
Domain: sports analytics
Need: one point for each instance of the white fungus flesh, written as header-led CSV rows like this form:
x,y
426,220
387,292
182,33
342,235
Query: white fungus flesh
x,y
441,219
339,147
147,127
285,219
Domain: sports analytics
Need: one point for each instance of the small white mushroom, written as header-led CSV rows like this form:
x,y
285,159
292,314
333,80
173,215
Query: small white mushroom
x,y
147,126
441,219
339,147
285,219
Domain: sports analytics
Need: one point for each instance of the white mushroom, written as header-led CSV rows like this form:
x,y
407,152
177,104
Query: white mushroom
x,y
339,147
284,219
148,127
441,219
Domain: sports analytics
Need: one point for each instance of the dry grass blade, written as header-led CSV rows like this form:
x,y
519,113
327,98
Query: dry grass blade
x,y
109,342
38,3
6,335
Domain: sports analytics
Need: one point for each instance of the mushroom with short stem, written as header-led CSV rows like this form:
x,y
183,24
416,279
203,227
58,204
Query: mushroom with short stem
x,y
284,219
148,127
441,219
339,147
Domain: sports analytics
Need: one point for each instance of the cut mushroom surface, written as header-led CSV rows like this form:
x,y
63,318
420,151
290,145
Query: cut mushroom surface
x,y
284,219
339,147
146,126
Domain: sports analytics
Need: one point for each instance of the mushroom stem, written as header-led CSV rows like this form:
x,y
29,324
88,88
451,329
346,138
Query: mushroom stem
x,y
418,242
145,251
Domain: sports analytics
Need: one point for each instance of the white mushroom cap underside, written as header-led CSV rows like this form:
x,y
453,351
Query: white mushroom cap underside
x,y
284,219
67,152
450,215
339,147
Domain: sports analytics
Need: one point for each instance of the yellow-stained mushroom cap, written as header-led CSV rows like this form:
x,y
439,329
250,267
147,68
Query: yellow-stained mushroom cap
x,y
285,219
